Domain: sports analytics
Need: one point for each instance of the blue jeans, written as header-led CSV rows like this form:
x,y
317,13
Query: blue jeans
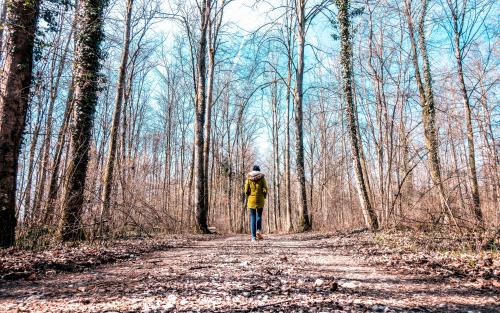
x,y
255,221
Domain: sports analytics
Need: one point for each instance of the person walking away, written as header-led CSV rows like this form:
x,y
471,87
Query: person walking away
x,y
256,191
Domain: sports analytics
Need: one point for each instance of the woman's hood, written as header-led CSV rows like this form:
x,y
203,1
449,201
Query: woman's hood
x,y
255,175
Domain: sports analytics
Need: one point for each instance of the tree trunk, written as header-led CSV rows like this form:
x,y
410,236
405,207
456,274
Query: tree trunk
x,y
304,222
56,163
16,76
200,106
468,119
115,125
429,118
28,209
427,102
86,66
208,107
287,136
276,157
346,61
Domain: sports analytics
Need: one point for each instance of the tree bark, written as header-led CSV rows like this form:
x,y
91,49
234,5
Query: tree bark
x,y
15,84
86,66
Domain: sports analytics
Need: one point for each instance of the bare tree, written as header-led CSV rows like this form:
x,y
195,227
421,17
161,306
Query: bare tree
x,y
427,101
346,62
214,26
465,21
199,121
138,164
304,222
288,32
115,124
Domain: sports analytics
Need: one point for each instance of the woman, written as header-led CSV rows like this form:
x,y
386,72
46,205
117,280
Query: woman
x,y
256,191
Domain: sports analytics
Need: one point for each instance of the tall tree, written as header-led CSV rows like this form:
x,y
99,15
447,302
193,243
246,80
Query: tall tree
x,y
200,107
462,17
214,25
427,100
304,222
115,124
288,42
346,63
86,67
16,76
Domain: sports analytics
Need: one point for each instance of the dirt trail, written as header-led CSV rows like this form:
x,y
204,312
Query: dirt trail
x,y
290,273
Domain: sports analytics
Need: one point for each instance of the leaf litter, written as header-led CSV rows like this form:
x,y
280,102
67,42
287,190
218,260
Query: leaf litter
x,y
310,272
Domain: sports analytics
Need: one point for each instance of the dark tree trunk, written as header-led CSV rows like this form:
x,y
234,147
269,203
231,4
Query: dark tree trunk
x,y
14,93
86,66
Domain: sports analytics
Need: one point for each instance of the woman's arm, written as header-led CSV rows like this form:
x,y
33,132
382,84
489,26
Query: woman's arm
x,y
247,188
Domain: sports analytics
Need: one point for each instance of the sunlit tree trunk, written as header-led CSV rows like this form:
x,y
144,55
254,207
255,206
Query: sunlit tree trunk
x,y
427,102
458,49
429,118
346,63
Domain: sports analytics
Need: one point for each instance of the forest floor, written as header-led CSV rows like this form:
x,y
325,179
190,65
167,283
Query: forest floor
x,y
309,272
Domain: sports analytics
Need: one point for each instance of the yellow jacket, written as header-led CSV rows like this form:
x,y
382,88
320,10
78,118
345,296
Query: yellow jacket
x,y
256,190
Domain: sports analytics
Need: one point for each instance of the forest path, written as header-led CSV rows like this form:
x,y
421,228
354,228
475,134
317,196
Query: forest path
x,y
287,273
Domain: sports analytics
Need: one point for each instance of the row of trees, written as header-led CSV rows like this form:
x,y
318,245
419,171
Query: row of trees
x,y
166,105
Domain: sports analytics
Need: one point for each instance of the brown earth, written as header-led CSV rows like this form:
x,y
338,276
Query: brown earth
x,y
282,273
